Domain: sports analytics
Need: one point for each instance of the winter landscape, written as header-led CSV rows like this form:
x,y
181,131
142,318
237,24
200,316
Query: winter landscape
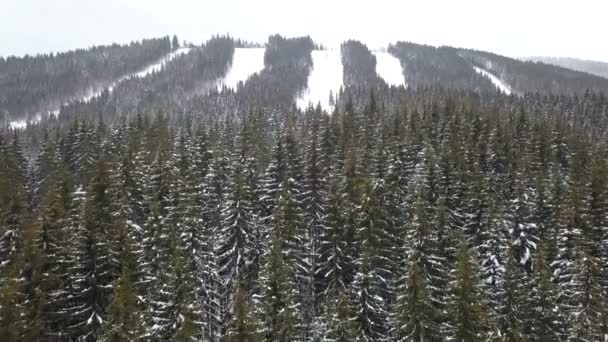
x,y
299,187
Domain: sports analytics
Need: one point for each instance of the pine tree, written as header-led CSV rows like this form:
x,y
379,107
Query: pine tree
x,y
213,198
278,304
46,250
336,265
545,323
236,234
416,313
493,256
370,315
514,310
94,259
339,320
244,326
469,319
10,329
314,198
586,307
125,315
522,224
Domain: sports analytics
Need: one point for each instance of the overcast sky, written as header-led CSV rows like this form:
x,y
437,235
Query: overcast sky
x,y
514,27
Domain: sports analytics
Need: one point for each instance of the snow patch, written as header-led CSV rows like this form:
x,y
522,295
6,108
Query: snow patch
x,y
502,86
245,62
21,124
325,78
389,69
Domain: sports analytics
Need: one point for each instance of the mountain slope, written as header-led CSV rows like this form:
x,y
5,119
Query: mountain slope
x,y
591,67
456,68
33,85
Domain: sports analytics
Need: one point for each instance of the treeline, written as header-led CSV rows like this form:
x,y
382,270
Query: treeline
x,y
435,220
288,52
37,84
359,64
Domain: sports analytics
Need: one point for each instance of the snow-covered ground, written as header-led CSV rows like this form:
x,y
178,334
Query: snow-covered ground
x,y
95,92
20,124
325,78
389,68
495,80
246,62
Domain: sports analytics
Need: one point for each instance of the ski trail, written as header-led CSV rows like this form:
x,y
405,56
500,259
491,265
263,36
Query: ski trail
x,y
95,92
245,62
502,86
325,78
389,69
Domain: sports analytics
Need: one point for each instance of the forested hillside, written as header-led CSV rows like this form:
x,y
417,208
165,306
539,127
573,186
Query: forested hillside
x,y
167,210
444,221
453,67
536,77
591,67
426,66
38,84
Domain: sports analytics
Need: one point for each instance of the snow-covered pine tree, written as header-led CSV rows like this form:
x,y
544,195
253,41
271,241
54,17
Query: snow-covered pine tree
x,y
369,309
47,253
546,320
339,321
214,189
585,310
416,314
125,316
522,222
93,259
514,310
278,306
430,239
314,197
235,242
171,312
572,220
468,315
83,152
43,167
191,163
244,325
492,250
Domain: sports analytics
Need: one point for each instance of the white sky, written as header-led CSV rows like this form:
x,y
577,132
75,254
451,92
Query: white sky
x,y
510,27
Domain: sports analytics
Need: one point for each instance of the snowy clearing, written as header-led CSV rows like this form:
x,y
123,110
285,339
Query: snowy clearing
x,y
325,78
495,80
21,124
389,69
95,92
246,62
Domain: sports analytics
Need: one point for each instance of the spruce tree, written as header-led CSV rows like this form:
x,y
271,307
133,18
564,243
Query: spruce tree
x,y
468,315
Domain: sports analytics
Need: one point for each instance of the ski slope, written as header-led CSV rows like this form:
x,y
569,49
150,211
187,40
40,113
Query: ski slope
x,y
95,92
502,86
246,62
325,78
389,69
